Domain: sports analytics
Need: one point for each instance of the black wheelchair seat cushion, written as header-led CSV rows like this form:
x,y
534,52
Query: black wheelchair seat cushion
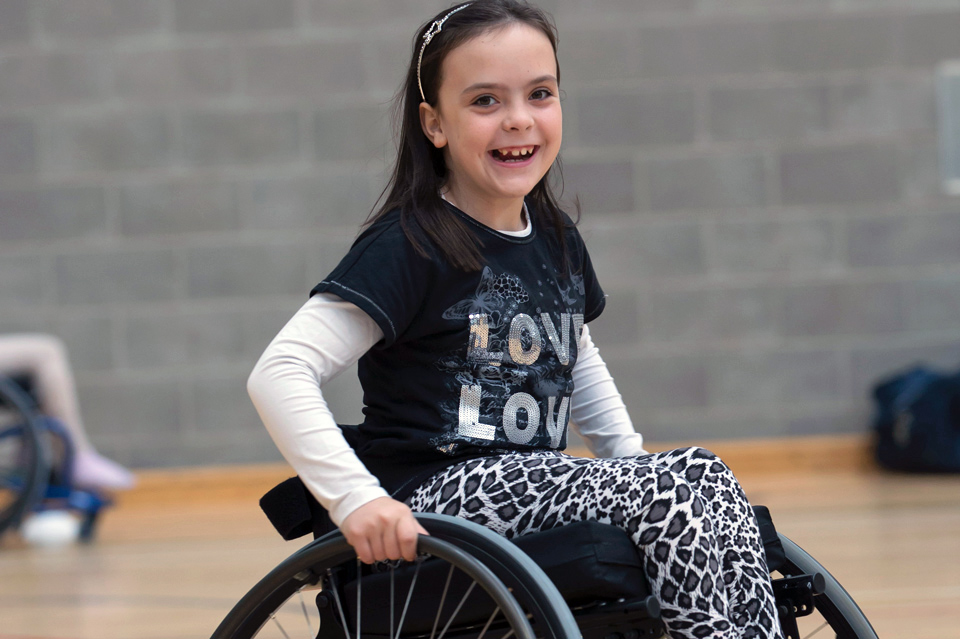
x,y
587,561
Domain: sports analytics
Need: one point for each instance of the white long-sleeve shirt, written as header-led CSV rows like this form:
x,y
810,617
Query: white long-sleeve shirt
x,y
328,335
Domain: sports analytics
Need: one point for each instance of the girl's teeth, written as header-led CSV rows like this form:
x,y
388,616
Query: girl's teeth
x,y
517,152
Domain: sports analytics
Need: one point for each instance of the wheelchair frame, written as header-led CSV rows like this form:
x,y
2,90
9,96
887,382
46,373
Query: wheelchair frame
x,y
344,589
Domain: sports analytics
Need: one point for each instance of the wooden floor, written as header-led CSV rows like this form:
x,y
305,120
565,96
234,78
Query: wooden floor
x,y
174,555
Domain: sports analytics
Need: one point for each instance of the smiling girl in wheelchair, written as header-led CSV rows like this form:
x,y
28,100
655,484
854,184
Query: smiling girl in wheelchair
x,y
466,301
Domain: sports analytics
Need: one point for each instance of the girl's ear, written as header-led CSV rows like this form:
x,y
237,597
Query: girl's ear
x,y
430,123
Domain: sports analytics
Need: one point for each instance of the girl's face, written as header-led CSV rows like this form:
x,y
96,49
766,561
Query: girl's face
x,y
497,117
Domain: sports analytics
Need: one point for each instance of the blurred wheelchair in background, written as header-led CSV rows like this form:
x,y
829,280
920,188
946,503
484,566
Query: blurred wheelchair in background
x,y
36,464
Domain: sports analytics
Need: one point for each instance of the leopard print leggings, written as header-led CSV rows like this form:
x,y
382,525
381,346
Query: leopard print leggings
x,y
684,509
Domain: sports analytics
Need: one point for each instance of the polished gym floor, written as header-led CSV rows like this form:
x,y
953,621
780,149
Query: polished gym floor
x,y
176,553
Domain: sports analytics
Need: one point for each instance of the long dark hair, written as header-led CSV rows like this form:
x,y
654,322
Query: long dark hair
x,y
420,170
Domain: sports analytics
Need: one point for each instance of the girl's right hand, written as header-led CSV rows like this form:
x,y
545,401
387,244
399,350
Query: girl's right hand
x,y
382,529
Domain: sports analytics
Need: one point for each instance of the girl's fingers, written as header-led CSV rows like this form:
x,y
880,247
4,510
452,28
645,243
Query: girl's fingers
x,y
391,543
376,548
364,553
407,532
369,547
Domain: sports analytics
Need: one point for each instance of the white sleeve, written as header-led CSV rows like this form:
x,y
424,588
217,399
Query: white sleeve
x,y
597,410
325,337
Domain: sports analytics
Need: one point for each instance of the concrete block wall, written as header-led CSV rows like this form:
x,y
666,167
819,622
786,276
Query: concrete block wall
x,y
759,183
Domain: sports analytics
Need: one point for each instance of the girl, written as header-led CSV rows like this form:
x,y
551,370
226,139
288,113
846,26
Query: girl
x,y
466,301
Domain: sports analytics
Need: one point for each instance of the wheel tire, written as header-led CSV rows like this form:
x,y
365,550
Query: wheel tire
x,y
835,605
516,585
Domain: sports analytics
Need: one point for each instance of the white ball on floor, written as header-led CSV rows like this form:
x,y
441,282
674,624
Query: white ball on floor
x,y
50,528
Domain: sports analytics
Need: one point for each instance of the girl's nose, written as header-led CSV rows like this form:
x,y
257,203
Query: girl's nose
x,y
518,118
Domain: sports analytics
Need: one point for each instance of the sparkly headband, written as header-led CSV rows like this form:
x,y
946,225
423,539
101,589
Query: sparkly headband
x,y
428,36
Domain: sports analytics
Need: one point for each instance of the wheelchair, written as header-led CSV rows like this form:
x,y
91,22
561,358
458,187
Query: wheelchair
x,y
36,464
584,579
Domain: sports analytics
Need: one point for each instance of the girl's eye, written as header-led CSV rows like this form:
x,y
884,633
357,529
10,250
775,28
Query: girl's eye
x,y
484,100
541,94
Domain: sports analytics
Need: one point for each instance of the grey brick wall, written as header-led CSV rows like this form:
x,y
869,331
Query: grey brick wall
x,y
759,181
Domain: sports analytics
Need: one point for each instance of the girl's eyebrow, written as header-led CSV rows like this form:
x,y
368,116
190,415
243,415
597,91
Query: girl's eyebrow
x,y
494,85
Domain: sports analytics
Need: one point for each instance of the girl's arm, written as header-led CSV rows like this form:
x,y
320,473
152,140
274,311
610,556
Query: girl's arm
x,y
597,411
325,337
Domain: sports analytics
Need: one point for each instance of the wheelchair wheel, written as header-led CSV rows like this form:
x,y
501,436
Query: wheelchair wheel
x,y
468,582
23,465
836,611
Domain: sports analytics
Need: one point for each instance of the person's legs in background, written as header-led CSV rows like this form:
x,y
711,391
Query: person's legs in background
x,y
43,358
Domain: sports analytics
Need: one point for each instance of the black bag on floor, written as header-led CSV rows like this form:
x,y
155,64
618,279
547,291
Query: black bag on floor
x,y
917,421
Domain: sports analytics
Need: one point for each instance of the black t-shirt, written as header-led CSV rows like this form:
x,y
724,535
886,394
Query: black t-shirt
x,y
471,364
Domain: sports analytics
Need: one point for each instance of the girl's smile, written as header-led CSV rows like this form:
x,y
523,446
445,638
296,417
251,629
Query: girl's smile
x,y
517,156
498,121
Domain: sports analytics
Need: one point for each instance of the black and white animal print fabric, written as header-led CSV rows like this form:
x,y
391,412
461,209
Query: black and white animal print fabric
x,y
683,508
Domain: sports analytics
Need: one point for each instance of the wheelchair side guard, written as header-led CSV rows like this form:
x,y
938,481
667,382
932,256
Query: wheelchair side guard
x,y
772,548
794,596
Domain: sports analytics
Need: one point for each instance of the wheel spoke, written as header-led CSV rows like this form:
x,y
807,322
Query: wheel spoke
x,y
821,627
306,615
443,599
463,600
277,621
406,605
489,621
359,581
336,598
